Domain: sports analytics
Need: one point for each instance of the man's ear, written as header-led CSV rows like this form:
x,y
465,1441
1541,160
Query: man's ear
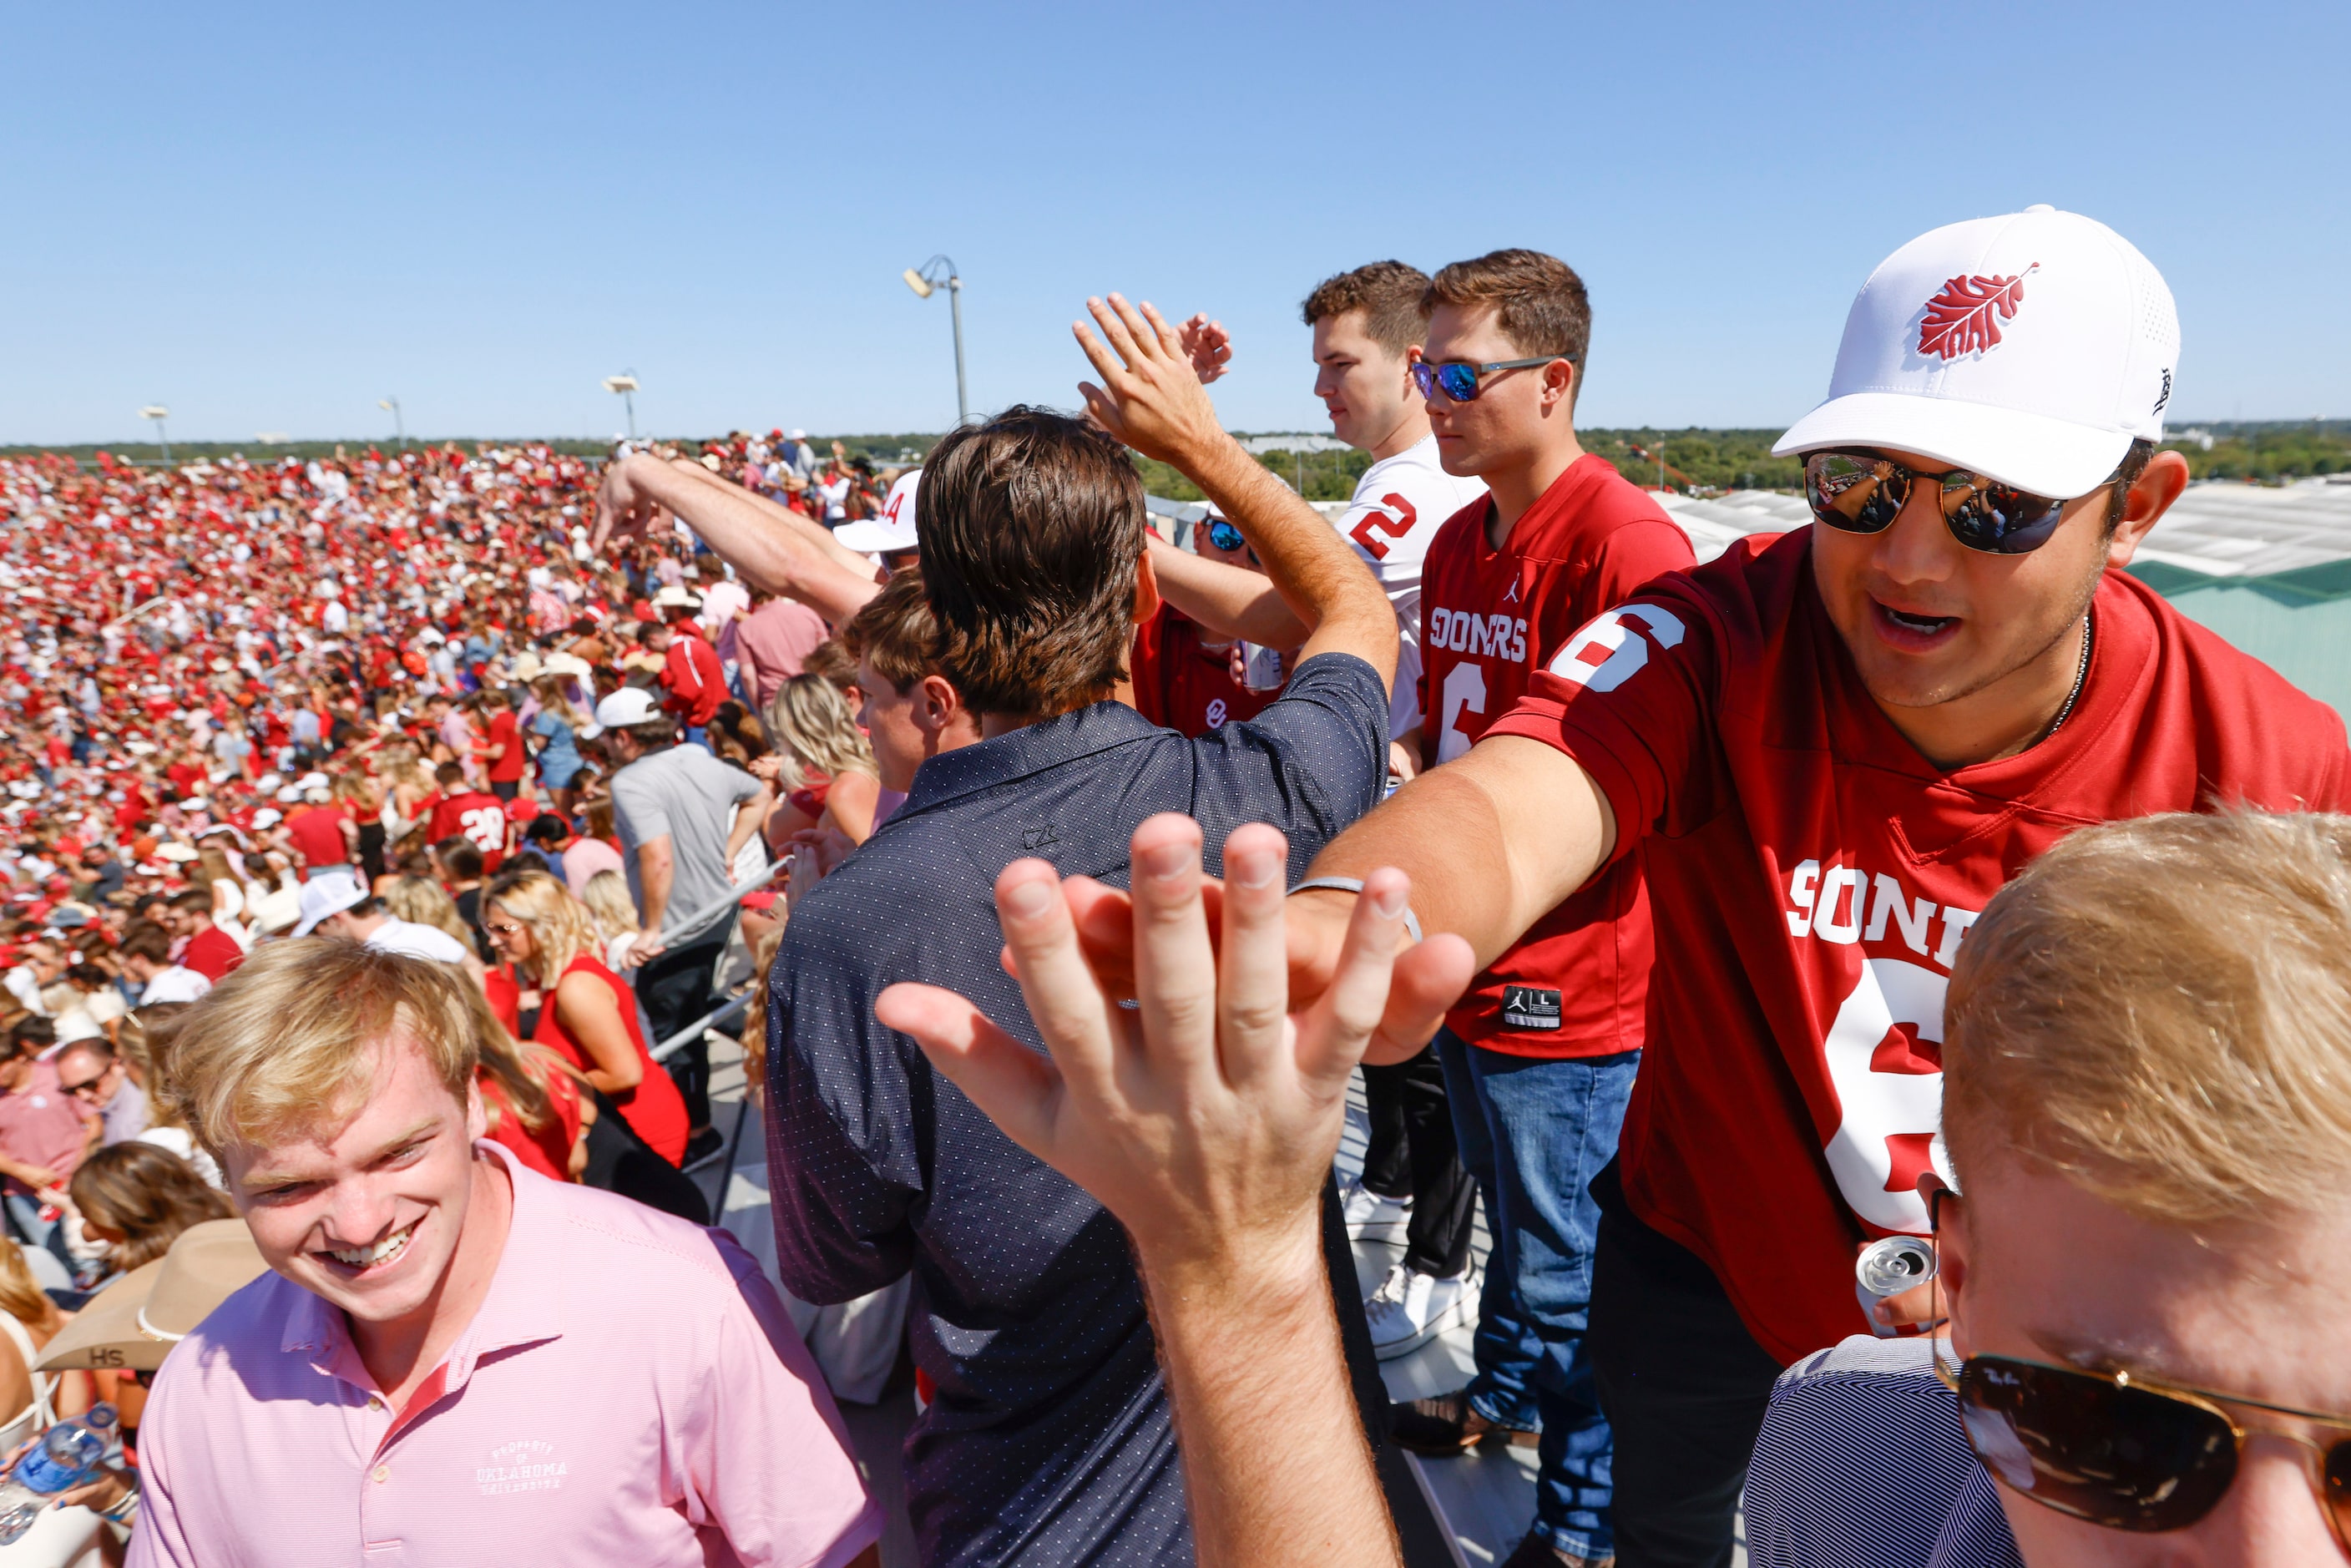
x,y
2158,486
1146,590
1559,384
1950,1212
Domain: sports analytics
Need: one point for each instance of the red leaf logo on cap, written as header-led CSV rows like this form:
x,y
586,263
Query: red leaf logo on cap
x,y
1966,315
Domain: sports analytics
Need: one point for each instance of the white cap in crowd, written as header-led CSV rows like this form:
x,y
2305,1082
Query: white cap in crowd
x,y
628,705
2033,348
329,892
893,531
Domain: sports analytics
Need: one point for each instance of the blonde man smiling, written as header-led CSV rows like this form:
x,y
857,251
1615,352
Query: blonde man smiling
x,y
453,1351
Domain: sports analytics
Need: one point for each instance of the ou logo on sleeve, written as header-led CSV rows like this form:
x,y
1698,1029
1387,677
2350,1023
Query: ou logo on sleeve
x,y
1609,651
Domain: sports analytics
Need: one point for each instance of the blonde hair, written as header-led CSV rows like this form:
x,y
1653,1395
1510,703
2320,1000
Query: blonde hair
x,y
809,721
284,1044
424,901
560,926
21,1296
554,696
606,898
2160,1011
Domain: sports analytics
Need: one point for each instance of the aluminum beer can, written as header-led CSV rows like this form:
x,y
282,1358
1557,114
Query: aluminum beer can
x,y
1261,668
1889,1268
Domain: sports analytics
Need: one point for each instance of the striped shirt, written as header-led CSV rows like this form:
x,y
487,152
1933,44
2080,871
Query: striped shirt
x,y
1863,1463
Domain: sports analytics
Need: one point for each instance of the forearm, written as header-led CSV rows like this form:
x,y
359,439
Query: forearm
x,y
1312,568
814,535
1492,841
776,560
1226,599
747,818
1251,1346
654,874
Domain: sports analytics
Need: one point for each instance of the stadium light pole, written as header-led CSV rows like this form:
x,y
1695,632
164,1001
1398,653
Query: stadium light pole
x,y
159,413
626,385
399,431
923,280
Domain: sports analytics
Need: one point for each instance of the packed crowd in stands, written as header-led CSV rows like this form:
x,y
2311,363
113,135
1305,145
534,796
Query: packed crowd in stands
x,y
1884,989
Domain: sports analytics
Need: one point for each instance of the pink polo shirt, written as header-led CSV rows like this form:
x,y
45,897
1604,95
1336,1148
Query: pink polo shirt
x,y
629,1391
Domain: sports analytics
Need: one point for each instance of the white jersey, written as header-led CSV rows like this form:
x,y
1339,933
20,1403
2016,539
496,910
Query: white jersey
x,y
1398,506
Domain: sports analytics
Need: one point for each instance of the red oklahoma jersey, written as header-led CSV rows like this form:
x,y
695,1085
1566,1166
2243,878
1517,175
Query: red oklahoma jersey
x,y
1183,686
1575,984
480,816
1811,877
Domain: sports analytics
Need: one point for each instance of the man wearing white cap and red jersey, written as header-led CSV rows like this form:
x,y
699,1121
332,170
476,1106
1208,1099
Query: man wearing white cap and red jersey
x,y
1833,748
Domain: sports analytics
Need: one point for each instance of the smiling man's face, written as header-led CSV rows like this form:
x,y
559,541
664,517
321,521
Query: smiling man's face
x,y
368,1214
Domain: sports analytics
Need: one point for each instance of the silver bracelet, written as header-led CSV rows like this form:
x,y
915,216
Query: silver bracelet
x,y
1355,886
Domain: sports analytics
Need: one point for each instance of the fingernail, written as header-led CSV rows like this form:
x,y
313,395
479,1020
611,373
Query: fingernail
x,y
1027,899
1168,859
1255,870
1389,902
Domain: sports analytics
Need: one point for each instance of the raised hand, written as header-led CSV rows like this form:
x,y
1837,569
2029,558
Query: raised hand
x,y
1206,1117
1208,345
1150,397
624,511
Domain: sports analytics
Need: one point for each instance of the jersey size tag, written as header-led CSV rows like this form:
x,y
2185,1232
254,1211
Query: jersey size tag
x,y
1530,1007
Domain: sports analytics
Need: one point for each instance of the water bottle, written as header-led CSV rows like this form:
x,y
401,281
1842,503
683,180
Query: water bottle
x,y
64,1458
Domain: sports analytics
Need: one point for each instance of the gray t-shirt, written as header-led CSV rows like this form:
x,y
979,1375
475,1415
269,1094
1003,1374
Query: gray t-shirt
x,y
689,795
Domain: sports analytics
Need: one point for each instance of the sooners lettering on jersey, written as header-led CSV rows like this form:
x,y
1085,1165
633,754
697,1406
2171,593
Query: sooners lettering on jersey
x,y
1490,619
1811,879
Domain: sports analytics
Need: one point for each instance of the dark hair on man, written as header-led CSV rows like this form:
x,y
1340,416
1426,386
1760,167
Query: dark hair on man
x,y
31,1032
546,827
448,773
894,632
197,900
151,942
833,661
459,857
653,734
2127,473
1540,304
1392,297
1032,528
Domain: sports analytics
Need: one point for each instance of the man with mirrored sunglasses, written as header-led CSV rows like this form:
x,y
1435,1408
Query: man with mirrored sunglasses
x,y
1832,749
2147,1299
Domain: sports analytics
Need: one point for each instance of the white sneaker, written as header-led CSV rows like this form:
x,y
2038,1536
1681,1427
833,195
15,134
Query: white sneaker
x,y
1409,1310
1374,1218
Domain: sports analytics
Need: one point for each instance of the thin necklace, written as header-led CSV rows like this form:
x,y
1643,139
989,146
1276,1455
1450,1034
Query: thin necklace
x,y
2081,673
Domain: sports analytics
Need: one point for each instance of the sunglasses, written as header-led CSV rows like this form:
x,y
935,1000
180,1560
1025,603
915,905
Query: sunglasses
x,y
1224,536
1459,383
1863,493
87,1086
2129,1454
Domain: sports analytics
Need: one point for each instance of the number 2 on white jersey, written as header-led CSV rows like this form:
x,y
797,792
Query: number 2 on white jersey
x,y
1465,686
485,827
1395,522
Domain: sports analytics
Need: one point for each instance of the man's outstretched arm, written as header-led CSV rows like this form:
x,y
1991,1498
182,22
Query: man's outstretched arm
x,y
772,556
1152,398
1230,600
1205,1119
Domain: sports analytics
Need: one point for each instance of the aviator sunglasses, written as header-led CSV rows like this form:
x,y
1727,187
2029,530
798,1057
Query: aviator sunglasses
x,y
1459,383
1863,493
2127,1453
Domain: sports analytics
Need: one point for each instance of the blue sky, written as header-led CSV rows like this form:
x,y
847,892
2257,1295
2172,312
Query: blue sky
x,y
269,218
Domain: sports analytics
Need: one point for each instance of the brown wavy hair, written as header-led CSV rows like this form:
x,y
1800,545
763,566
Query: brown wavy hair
x,y
1391,295
1033,528
146,1193
1539,301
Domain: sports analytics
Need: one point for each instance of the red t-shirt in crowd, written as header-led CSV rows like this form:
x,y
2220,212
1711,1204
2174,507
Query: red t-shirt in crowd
x,y
1183,686
547,1151
1576,985
507,755
692,676
1811,877
211,953
654,1108
318,832
480,816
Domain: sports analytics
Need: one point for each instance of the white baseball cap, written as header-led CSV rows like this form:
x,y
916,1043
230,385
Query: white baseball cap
x,y
329,892
893,531
2033,348
628,705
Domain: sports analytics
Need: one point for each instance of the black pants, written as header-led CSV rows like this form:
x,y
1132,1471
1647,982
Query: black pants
x,y
1684,1385
1412,1155
675,989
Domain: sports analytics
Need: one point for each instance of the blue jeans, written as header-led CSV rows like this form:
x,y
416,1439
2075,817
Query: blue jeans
x,y
1533,1133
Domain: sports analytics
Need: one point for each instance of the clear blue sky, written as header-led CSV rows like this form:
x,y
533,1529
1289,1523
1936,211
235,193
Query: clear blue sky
x,y
270,216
